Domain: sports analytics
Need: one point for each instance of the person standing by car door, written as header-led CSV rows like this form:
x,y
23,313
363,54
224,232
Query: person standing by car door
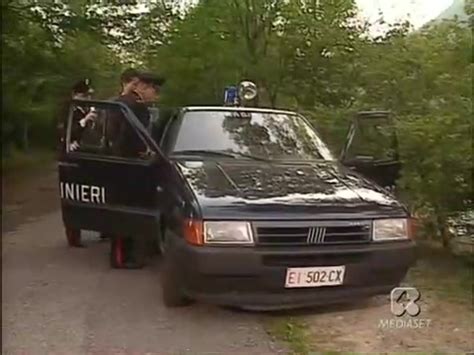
x,y
129,80
80,90
129,145
138,100
81,117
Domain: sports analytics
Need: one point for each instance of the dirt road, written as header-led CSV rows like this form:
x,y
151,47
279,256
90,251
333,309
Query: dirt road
x,y
58,300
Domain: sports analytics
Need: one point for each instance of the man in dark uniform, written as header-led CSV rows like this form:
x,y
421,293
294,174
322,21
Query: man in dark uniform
x,y
129,80
128,144
80,90
146,92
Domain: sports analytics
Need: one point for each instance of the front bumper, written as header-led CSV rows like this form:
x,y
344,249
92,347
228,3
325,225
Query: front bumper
x,y
254,277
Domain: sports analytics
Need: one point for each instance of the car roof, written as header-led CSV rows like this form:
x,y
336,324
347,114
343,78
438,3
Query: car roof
x,y
237,108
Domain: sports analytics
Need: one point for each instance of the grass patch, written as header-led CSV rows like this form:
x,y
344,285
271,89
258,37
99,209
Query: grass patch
x,y
19,162
293,332
448,276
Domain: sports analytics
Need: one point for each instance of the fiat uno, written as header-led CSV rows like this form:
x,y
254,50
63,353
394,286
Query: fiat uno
x,y
249,206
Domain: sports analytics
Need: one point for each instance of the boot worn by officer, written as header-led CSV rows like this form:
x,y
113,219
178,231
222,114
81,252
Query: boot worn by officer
x,y
127,252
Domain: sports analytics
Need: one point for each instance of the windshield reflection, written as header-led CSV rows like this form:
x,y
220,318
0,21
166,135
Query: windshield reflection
x,y
266,135
308,184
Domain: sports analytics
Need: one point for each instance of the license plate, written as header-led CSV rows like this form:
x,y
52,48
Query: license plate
x,y
314,276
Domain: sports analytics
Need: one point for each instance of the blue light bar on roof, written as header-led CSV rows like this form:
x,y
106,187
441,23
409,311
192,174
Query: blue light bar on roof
x,y
230,96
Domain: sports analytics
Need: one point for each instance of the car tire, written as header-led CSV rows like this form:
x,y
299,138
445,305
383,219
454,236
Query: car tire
x,y
154,248
161,244
172,290
159,240
73,237
154,245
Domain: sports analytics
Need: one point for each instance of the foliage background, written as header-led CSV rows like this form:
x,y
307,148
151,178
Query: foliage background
x,y
317,57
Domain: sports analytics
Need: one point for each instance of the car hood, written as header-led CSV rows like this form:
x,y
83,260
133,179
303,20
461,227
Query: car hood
x,y
238,188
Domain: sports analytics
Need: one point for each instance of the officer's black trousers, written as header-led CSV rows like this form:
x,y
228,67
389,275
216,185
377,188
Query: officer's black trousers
x,y
133,250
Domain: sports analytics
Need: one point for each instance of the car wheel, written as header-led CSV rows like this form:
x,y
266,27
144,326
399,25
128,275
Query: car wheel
x,y
172,292
117,253
160,240
154,247
171,286
161,244
73,237
155,244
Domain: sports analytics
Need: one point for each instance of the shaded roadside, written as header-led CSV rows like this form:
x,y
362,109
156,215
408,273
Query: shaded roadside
x,y
28,194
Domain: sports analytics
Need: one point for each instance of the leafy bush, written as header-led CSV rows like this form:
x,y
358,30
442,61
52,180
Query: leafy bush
x,y
316,59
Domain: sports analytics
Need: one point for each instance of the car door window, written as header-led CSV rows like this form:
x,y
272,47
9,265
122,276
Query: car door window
x,y
372,139
160,124
104,130
169,135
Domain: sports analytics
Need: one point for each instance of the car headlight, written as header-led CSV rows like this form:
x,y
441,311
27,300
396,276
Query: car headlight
x,y
227,232
390,229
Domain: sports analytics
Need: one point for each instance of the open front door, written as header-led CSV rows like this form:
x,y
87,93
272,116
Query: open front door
x,y
371,148
110,171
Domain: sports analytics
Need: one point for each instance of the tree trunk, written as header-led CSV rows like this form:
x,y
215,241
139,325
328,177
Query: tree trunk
x,y
442,222
25,139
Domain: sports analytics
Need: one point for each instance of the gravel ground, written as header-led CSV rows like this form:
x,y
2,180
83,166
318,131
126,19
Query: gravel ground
x,y
58,300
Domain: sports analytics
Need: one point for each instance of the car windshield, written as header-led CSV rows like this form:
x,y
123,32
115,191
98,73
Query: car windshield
x,y
265,135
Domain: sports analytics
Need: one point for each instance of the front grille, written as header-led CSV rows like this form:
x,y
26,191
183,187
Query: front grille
x,y
320,233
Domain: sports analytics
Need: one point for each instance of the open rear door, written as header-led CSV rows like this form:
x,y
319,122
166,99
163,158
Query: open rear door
x,y
110,171
371,148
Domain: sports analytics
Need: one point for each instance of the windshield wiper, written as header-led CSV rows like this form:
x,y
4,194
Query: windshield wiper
x,y
250,156
219,153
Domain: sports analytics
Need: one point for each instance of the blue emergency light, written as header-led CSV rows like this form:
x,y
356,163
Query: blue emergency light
x,y
241,94
231,96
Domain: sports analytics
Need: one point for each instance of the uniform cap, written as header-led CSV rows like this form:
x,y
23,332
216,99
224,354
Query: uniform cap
x,y
129,74
153,79
82,87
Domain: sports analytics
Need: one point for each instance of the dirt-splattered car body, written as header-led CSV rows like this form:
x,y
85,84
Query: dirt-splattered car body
x,y
249,209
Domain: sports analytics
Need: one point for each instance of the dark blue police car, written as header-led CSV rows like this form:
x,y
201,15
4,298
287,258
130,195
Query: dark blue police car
x,y
249,207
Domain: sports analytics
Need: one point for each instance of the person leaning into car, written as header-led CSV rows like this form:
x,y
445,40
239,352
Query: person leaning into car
x,y
145,92
129,145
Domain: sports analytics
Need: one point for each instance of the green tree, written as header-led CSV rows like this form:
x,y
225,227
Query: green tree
x,y
45,48
425,78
